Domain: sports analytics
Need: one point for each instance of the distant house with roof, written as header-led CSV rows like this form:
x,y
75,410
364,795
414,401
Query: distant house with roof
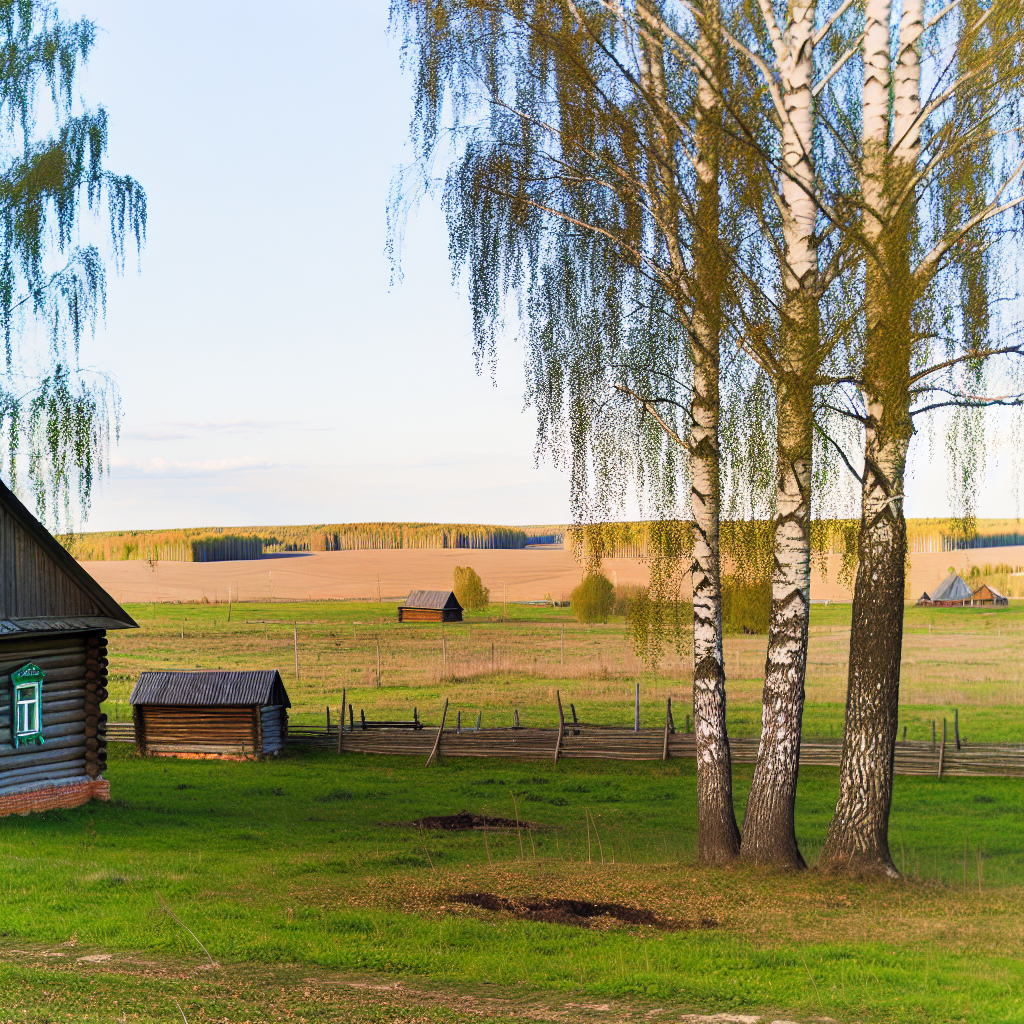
x,y
54,619
431,606
210,714
951,592
986,594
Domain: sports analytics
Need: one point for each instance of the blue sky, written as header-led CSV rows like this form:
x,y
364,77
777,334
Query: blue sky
x,y
269,371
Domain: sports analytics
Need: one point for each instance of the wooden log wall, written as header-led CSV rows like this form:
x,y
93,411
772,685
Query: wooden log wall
x,y
74,687
421,615
233,729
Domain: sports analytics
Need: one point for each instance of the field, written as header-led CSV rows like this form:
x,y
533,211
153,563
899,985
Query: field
x,y
526,575
966,659
317,899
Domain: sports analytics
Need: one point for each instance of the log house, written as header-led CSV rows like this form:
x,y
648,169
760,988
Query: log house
x,y
53,669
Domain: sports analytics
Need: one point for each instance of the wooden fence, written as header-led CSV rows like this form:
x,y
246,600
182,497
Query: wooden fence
x,y
602,743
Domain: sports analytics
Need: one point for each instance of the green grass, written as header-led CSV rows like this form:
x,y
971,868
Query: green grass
x,y
954,659
298,870
299,860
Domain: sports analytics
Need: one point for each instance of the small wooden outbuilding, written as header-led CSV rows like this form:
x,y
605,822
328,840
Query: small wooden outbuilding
x,y
210,714
988,595
431,606
54,619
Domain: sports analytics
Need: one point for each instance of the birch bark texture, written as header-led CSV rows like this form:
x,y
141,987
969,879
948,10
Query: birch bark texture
x,y
718,836
769,832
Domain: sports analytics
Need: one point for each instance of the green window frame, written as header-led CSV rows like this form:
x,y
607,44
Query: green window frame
x,y
27,705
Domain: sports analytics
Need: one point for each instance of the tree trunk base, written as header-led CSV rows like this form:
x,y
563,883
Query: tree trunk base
x,y
858,865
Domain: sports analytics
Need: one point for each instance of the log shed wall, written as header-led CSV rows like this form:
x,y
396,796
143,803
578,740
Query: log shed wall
x,y
224,729
74,747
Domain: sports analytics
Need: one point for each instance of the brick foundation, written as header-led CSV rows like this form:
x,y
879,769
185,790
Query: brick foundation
x,y
54,797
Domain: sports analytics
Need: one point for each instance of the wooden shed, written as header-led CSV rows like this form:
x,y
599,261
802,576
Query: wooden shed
x,y
985,595
210,714
53,669
431,606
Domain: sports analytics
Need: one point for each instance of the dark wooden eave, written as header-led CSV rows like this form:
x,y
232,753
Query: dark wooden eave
x,y
65,598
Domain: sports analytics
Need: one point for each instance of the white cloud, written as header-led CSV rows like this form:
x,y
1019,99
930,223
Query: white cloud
x,y
174,467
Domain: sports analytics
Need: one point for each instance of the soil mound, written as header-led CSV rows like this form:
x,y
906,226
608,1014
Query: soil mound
x,y
579,913
464,821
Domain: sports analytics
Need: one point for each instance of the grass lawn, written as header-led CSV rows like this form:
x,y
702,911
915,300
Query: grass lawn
x,y
318,902
966,659
301,870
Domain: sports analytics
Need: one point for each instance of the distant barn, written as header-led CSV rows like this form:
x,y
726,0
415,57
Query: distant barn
x,y
951,592
988,595
431,606
53,669
210,714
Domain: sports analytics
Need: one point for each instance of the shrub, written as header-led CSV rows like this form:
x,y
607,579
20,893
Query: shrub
x,y
746,604
594,599
626,598
470,591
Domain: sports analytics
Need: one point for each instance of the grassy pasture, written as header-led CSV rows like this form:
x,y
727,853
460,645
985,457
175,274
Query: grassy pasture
x,y
968,659
304,861
303,879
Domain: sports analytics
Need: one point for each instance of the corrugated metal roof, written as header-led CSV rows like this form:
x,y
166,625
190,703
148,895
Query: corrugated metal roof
x,y
204,689
432,599
952,588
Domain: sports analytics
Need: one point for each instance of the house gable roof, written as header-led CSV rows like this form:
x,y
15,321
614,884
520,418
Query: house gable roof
x,y
432,599
42,588
210,689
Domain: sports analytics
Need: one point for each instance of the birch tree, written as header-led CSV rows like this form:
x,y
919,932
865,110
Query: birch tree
x,y
56,419
591,187
941,177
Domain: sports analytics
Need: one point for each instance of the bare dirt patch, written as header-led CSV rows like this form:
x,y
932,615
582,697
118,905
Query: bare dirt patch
x,y
464,821
578,913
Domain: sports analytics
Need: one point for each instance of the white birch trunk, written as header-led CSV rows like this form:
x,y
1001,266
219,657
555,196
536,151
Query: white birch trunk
x,y
769,835
718,837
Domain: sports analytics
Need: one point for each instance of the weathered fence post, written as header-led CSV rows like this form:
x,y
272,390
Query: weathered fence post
x,y
458,724
942,748
636,710
515,718
437,741
668,719
956,726
341,718
479,716
561,725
